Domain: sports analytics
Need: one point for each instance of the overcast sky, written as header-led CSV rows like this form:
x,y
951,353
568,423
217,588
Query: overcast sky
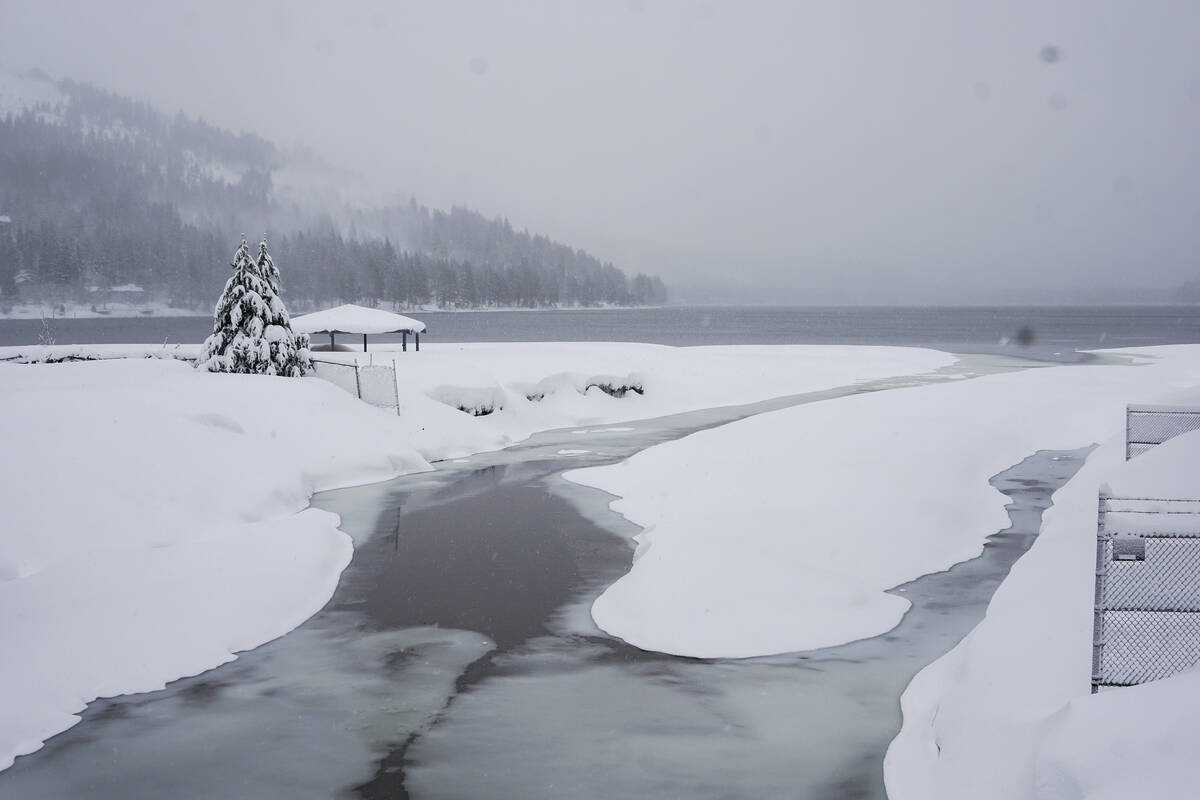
x,y
890,151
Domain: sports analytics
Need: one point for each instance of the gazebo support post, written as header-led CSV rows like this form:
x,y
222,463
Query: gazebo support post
x,y
417,336
364,343
403,341
332,343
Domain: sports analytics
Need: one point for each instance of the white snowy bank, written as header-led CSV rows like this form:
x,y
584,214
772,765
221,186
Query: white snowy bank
x,y
153,518
115,310
783,531
1007,713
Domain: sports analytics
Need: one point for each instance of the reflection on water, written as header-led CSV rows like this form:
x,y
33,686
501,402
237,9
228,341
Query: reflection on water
x,y
458,659
303,716
602,719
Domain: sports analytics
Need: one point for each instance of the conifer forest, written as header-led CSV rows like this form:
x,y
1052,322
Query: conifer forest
x,y
98,191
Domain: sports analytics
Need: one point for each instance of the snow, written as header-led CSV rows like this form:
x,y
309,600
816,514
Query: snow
x,y
145,537
158,522
1012,700
783,532
1138,742
477,401
355,319
37,353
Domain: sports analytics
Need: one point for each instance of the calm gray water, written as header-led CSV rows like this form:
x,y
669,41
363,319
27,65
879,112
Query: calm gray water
x,y
457,659
1054,332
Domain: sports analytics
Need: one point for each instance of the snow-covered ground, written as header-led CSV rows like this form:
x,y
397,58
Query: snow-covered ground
x,y
1008,714
780,532
153,518
154,522
73,310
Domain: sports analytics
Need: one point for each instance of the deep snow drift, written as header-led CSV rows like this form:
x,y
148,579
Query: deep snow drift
x,y
1008,714
153,518
783,531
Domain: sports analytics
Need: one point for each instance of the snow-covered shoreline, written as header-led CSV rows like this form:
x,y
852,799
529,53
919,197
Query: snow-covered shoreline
x,y
59,311
891,486
155,518
1008,714
155,521
777,555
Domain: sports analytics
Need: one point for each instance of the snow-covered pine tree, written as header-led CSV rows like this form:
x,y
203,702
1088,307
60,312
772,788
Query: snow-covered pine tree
x,y
289,350
252,332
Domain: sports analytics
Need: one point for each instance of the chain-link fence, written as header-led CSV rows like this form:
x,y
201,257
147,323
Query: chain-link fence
x,y
1147,612
371,383
377,385
1148,426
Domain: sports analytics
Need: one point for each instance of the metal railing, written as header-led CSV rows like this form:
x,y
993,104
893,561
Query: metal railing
x,y
1149,426
372,383
1146,623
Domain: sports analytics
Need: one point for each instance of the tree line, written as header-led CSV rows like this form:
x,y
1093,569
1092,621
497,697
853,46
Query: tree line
x,y
103,191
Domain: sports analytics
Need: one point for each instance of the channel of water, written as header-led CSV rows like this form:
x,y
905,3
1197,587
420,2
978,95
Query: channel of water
x,y
458,658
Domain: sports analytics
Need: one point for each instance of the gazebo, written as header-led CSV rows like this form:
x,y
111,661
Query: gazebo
x,y
352,319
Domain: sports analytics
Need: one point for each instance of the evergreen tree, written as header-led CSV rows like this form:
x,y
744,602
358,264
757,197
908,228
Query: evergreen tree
x,y
252,332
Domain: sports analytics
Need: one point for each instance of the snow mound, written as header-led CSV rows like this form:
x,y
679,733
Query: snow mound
x,y
1136,742
157,524
478,401
1012,701
611,385
783,532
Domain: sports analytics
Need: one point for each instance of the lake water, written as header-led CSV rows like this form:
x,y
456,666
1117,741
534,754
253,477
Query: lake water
x,y
1052,330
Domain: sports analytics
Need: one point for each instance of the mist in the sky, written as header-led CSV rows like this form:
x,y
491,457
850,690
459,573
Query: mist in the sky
x,y
925,151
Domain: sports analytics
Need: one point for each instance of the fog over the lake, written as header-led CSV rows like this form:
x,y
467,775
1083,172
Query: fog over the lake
x,y
927,151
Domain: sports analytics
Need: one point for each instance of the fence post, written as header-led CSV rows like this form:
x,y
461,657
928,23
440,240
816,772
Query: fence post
x,y
1098,607
396,385
1128,433
357,381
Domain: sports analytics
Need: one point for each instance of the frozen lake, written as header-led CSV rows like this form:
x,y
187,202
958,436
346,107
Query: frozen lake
x,y
1056,331
458,659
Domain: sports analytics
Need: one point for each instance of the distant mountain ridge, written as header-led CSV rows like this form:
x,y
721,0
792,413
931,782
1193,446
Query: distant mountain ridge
x,y
103,191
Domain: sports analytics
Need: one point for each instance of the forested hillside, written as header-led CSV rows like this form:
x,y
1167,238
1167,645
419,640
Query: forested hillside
x,y
97,191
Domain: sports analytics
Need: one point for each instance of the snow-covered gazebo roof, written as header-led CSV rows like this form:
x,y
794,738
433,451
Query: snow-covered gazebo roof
x,y
355,319
350,318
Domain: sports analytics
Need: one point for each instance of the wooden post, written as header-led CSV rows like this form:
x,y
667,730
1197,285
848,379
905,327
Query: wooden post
x,y
417,336
403,341
332,343
364,343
